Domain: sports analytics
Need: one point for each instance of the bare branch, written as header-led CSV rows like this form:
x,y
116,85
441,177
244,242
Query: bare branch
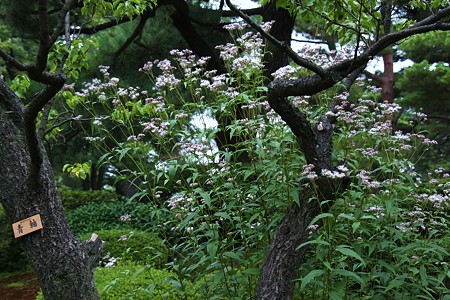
x,y
439,15
313,84
44,119
387,22
248,12
181,21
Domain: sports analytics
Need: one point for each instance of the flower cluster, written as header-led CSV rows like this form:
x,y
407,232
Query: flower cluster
x,y
157,127
308,171
332,174
366,180
180,201
108,261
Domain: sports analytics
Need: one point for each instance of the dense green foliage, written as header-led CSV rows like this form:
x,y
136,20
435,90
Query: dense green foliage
x,y
224,211
73,199
99,216
432,47
140,247
423,88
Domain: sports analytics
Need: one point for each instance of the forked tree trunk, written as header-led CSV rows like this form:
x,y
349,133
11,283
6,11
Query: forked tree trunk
x,y
63,264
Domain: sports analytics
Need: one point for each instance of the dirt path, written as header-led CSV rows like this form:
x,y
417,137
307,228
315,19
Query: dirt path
x,y
19,287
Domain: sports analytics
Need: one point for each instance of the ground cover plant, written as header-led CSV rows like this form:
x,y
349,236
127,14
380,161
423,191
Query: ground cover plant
x,y
383,236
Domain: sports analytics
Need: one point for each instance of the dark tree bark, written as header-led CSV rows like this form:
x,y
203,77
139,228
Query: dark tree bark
x,y
282,30
64,265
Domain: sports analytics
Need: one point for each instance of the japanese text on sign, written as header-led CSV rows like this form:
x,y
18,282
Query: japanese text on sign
x,y
27,225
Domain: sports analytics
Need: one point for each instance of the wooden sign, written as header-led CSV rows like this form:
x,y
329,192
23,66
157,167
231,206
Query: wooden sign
x,y
27,225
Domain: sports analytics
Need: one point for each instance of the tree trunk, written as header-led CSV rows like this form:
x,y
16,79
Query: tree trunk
x,y
280,268
283,260
387,80
63,264
282,31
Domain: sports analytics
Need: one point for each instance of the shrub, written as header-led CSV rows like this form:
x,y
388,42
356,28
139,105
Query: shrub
x,y
73,199
140,247
102,216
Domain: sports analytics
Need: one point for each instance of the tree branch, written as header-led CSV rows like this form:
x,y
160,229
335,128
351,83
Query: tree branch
x,y
44,39
31,112
44,119
286,48
10,60
103,26
181,21
313,84
372,76
248,12
137,32
68,6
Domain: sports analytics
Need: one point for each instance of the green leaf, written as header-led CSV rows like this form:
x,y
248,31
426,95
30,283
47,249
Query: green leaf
x,y
206,197
328,265
232,255
355,226
423,276
251,271
136,274
222,214
394,284
310,276
347,216
319,217
318,242
149,290
353,275
123,152
349,252
211,248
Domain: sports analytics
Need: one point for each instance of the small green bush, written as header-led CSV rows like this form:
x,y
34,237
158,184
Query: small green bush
x,y
73,199
104,216
140,247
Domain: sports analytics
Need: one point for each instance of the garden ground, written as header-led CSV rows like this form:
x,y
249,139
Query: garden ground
x,y
22,286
